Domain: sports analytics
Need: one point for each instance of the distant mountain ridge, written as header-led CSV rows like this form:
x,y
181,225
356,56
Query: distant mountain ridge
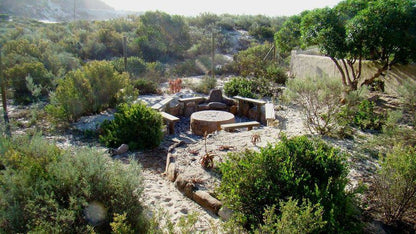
x,y
59,10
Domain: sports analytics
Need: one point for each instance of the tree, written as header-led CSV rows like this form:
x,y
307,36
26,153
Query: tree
x,y
382,31
288,37
386,30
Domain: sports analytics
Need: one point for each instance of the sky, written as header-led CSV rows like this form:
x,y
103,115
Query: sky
x,y
234,7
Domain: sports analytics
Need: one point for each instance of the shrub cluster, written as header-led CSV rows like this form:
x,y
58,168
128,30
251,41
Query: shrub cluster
x,y
47,190
394,189
89,90
363,116
240,86
145,86
137,125
320,100
300,168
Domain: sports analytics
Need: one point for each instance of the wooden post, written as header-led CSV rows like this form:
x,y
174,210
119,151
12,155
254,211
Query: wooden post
x,y
125,52
4,98
212,53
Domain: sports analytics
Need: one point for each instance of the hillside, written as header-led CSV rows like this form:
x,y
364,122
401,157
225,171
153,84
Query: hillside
x,y
59,10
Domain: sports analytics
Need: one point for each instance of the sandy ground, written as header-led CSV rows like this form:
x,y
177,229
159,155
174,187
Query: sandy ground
x,y
161,196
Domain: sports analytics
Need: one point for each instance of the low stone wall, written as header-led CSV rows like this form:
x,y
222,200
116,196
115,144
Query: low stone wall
x,y
305,65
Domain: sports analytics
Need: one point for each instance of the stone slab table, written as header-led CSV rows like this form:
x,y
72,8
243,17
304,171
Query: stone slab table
x,y
209,121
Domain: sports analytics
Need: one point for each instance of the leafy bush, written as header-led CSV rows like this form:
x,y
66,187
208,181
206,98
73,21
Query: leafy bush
x,y
46,190
299,168
135,66
89,90
276,74
305,218
407,93
207,83
137,125
17,77
320,100
394,187
145,86
366,118
240,86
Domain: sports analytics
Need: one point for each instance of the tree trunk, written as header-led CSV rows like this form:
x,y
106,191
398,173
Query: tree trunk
x,y
4,98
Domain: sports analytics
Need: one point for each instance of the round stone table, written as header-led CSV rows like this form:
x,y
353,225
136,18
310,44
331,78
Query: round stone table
x,y
209,121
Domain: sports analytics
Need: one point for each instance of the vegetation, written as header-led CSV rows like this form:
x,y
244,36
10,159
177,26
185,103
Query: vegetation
x,y
91,89
304,169
381,31
137,125
394,187
45,189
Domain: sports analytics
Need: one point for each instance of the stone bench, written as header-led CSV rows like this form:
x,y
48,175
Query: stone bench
x,y
269,112
233,126
163,105
258,103
170,121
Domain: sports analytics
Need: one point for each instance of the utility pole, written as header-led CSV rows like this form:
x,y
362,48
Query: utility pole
x,y
4,98
74,9
125,52
212,52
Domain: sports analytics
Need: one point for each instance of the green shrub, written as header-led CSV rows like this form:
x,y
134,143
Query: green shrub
x,y
394,187
305,218
366,118
299,168
320,100
46,190
145,86
407,93
207,83
276,74
89,90
137,125
135,66
240,86
17,77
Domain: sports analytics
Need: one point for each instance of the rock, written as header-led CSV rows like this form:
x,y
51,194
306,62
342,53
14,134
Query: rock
x,y
207,201
225,213
120,150
190,108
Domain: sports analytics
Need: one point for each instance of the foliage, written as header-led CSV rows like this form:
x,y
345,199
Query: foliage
x,y
300,168
145,86
240,86
17,77
135,66
161,36
88,90
305,218
319,99
207,83
45,189
394,187
288,37
407,93
137,125
366,118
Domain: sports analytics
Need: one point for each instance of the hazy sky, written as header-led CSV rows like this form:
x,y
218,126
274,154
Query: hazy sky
x,y
235,7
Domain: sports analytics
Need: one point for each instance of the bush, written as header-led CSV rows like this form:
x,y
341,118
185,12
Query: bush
x,y
240,86
89,90
320,100
145,86
394,187
407,93
46,190
276,74
135,66
17,76
137,125
207,83
366,118
305,218
299,168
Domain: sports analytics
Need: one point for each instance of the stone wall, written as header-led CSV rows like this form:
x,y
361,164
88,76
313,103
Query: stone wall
x,y
303,65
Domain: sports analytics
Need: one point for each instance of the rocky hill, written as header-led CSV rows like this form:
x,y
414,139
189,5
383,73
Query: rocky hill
x,y
59,10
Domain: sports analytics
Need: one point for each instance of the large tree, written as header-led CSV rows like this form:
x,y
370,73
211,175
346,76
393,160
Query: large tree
x,y
380,30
